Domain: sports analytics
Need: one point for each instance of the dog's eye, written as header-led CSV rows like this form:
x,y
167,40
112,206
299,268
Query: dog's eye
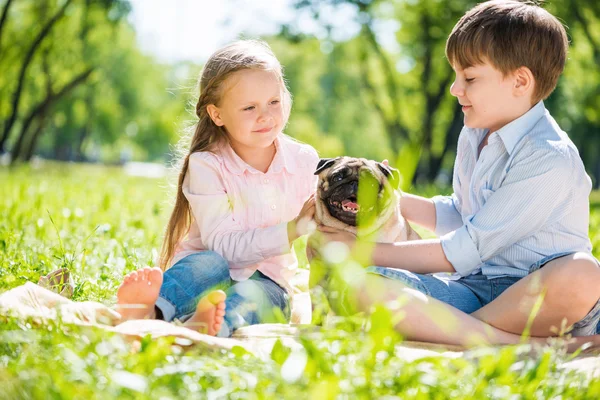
x,y
336,178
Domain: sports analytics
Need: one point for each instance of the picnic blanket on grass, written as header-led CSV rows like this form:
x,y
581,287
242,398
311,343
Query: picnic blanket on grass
x,y
34,303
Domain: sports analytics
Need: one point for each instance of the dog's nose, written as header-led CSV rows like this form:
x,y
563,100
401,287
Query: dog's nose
x,y
355,186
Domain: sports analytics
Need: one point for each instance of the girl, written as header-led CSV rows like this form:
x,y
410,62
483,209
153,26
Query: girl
x,y
244,196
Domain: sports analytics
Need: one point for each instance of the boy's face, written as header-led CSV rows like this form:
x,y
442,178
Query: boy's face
x,y
490,100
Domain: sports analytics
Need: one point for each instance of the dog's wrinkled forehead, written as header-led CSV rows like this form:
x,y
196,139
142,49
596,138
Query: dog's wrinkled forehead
x,y
350,166
329,167
345,167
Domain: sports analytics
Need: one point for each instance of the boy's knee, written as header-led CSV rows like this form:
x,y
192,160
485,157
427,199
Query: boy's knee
x,y
579,281
586,275
580,271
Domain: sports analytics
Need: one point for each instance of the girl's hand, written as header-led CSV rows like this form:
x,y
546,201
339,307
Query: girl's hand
x,y
302,224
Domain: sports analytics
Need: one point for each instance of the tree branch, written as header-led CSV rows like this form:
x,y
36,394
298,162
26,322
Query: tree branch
x,y
26,62
585,26
3,20
43,106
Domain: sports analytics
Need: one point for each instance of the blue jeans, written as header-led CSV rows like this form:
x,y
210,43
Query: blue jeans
x,y
249,302
470,293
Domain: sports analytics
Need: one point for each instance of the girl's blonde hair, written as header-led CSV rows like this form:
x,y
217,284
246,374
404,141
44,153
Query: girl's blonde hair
x,y
238,56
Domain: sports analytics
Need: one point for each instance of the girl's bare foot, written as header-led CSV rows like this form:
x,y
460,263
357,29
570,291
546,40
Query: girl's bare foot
x,y
209,313
138,293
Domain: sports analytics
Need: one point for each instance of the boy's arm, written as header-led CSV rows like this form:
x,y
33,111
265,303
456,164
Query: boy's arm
x,y
535,192
418,210
418,256
439,214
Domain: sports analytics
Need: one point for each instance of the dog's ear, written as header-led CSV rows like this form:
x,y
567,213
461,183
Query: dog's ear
x,y
392,174
323,164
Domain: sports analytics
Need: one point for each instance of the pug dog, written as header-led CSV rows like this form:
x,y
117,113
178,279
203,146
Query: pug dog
x,y
342,181
359,196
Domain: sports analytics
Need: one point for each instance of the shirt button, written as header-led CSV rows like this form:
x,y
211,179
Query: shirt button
x,y
266,181
273,207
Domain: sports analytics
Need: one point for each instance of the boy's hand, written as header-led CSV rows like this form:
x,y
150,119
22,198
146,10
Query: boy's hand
x,y
359,250
324,235
311,252
303,223
337,235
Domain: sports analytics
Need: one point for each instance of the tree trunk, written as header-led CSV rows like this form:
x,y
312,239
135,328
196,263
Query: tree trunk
x,y
433,99
44,106
435,162
34,139
597,174
83,135
3,20
89,95
17,148
26,62
35,111
585,26
396,131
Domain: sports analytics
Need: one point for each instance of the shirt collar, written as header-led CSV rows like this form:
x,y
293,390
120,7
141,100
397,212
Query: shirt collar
x,y
513,132
283,159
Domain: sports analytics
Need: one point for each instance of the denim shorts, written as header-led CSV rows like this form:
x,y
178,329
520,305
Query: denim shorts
x,y
470,293
248,302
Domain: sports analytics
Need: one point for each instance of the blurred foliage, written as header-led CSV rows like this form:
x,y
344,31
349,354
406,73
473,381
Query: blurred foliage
x,y
75,86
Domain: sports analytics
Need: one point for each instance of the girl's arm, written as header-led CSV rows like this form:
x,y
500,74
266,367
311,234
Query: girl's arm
x,y
206,192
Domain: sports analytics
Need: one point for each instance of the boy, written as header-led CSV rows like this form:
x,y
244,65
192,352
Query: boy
x,y
520,200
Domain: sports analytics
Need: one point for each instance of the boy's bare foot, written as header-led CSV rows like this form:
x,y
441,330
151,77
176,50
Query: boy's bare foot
x,y
209,314
138,293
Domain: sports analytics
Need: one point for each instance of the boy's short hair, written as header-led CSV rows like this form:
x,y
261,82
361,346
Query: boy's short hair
x,y
510,34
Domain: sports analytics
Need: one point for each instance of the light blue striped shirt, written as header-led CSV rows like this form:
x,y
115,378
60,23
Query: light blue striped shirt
x,y
525,198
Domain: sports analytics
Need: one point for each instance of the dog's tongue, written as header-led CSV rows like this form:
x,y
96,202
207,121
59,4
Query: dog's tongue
x,y
348,203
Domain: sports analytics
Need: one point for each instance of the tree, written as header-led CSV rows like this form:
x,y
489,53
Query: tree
x,y
575,102
27,59
80,81
414,104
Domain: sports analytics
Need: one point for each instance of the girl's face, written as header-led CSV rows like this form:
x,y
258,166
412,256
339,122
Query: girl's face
x,y
251,109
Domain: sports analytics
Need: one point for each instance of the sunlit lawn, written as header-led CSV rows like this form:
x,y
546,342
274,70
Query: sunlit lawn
x,y
100,224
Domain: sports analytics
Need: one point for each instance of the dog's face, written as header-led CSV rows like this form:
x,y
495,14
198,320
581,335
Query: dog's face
x,y
356,191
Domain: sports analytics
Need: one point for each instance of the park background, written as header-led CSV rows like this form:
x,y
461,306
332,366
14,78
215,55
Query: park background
x,y
112,81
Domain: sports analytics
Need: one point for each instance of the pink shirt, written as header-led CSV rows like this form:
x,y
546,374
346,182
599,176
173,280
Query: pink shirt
x,y
242,213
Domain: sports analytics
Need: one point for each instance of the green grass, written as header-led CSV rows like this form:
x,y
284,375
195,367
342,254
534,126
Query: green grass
x,y
102,224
